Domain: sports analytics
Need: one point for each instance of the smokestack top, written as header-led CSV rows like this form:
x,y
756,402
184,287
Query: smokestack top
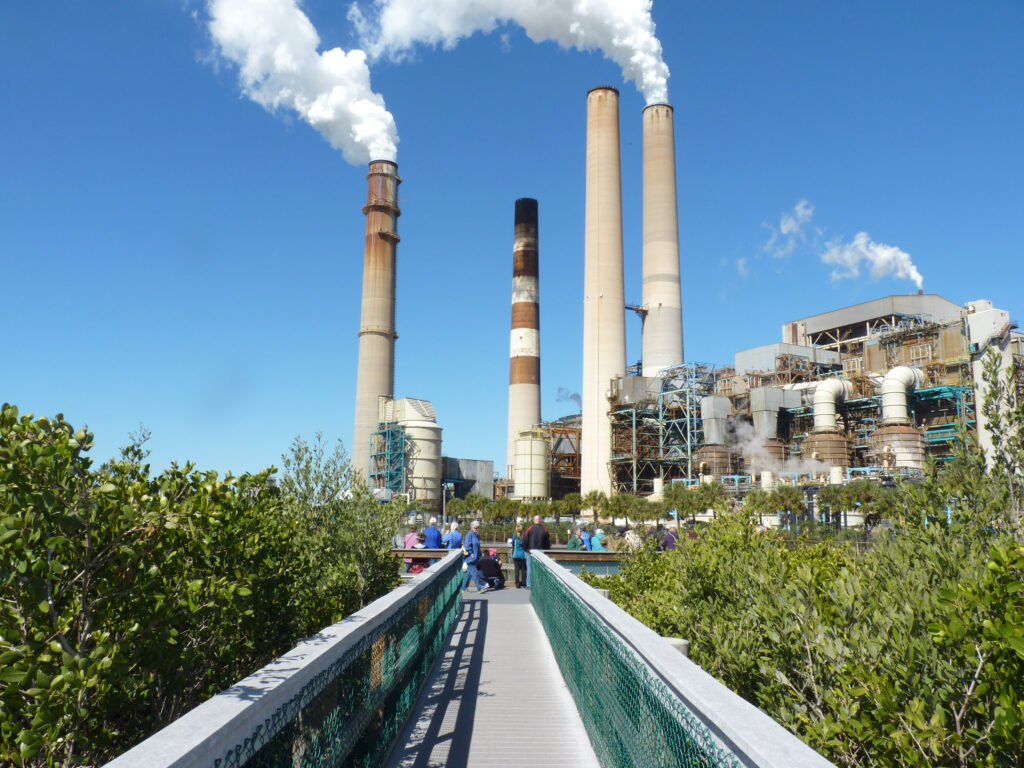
x,y
666,105
611,88
526,210
392,163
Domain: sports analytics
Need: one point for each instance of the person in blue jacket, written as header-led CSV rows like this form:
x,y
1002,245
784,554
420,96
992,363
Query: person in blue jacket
x,y
452,539
433,540
471,546
518,557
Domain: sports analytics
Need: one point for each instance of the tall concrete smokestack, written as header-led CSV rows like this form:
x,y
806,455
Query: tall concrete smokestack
x,y
524,353
604,305
663,324
376,373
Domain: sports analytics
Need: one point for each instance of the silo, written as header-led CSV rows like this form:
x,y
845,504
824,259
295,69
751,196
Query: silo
x,y
604,305
532,468
423,460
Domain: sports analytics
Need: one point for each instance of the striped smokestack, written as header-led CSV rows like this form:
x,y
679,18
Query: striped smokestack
x,y
375,376
524,354
604,313
663,323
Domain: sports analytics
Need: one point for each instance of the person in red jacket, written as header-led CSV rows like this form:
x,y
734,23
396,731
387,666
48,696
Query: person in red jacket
x,y
537,537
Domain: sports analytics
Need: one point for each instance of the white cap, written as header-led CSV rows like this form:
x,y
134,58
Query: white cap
x,y
433,520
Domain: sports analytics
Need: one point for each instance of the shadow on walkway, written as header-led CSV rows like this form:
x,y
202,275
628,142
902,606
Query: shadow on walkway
x,y
443,729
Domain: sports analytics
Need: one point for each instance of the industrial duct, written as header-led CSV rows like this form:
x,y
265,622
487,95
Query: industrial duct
x,y
895,386
826,394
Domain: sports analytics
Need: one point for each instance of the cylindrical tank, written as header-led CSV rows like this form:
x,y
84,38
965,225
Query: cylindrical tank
x,y
767,480
770,455
714,461
831,448
604,305
897,447
835,475
423,460
532,469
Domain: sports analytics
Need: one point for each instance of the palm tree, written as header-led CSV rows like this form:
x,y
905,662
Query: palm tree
x,y
789,499
594,501
830,502
757,502
713,496
572,504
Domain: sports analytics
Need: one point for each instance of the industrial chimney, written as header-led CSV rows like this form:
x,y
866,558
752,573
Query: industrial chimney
x,y
604,313
663,323
375,376
524,352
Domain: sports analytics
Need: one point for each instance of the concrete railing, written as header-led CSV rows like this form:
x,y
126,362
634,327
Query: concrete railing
x,y
394,640
720,726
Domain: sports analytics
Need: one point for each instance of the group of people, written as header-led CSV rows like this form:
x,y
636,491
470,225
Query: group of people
x,y
481,569
623,538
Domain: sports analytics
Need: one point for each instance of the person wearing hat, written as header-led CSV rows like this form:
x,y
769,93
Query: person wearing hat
x,y
471,558
490,569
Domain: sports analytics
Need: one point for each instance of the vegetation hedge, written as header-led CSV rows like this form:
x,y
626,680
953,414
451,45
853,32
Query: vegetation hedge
x,y
128,598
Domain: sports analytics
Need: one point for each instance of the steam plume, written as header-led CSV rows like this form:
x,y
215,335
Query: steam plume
x,y
568,396
275,47
622,29
882,260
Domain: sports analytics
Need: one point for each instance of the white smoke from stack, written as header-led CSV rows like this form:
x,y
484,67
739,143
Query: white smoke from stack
x,y
275,47
622,29
741,437
880,259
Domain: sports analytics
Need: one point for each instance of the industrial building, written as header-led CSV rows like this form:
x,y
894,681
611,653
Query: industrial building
x,y
870,390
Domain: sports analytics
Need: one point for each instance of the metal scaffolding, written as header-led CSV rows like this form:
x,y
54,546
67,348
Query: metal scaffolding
x,y
681,431
388,457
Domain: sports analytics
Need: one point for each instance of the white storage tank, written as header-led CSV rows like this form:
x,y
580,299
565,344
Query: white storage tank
x,y
533,462
423,459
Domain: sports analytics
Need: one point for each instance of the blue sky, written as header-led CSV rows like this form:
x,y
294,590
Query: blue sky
x,y
174,255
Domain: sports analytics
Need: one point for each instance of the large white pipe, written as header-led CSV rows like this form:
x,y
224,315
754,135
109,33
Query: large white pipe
x,y
826,394
895,386
604,305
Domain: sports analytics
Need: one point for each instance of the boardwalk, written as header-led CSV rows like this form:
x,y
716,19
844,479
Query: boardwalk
x,y
495,697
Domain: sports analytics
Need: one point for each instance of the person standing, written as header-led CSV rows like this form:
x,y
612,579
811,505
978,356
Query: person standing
x,y
575,541
411,540
536,538
433,535
518,557
452,539
471,546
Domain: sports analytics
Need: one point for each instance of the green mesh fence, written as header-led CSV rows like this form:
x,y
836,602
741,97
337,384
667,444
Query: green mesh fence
x,y
351,712
632,717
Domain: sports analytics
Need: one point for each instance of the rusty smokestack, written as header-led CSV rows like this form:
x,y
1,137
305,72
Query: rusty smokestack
x,y
604,313
375,376
663,322
524,352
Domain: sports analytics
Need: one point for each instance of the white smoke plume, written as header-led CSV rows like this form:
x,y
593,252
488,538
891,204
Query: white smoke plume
x,y
622,29
881,260
276,49
790,231
744,439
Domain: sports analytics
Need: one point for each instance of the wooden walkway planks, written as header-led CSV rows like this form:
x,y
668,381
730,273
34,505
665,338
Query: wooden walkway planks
x,y
496,697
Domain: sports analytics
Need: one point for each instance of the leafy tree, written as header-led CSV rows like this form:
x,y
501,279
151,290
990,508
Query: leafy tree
x,y
594,501
788,502
571,505
757,503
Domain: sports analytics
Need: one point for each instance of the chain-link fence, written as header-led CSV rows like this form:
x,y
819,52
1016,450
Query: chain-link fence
x,y
618,673
349,709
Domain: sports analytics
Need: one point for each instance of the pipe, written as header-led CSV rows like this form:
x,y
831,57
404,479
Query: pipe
x,y
604,305
375,371
826,394
895,386
524,348
662,344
